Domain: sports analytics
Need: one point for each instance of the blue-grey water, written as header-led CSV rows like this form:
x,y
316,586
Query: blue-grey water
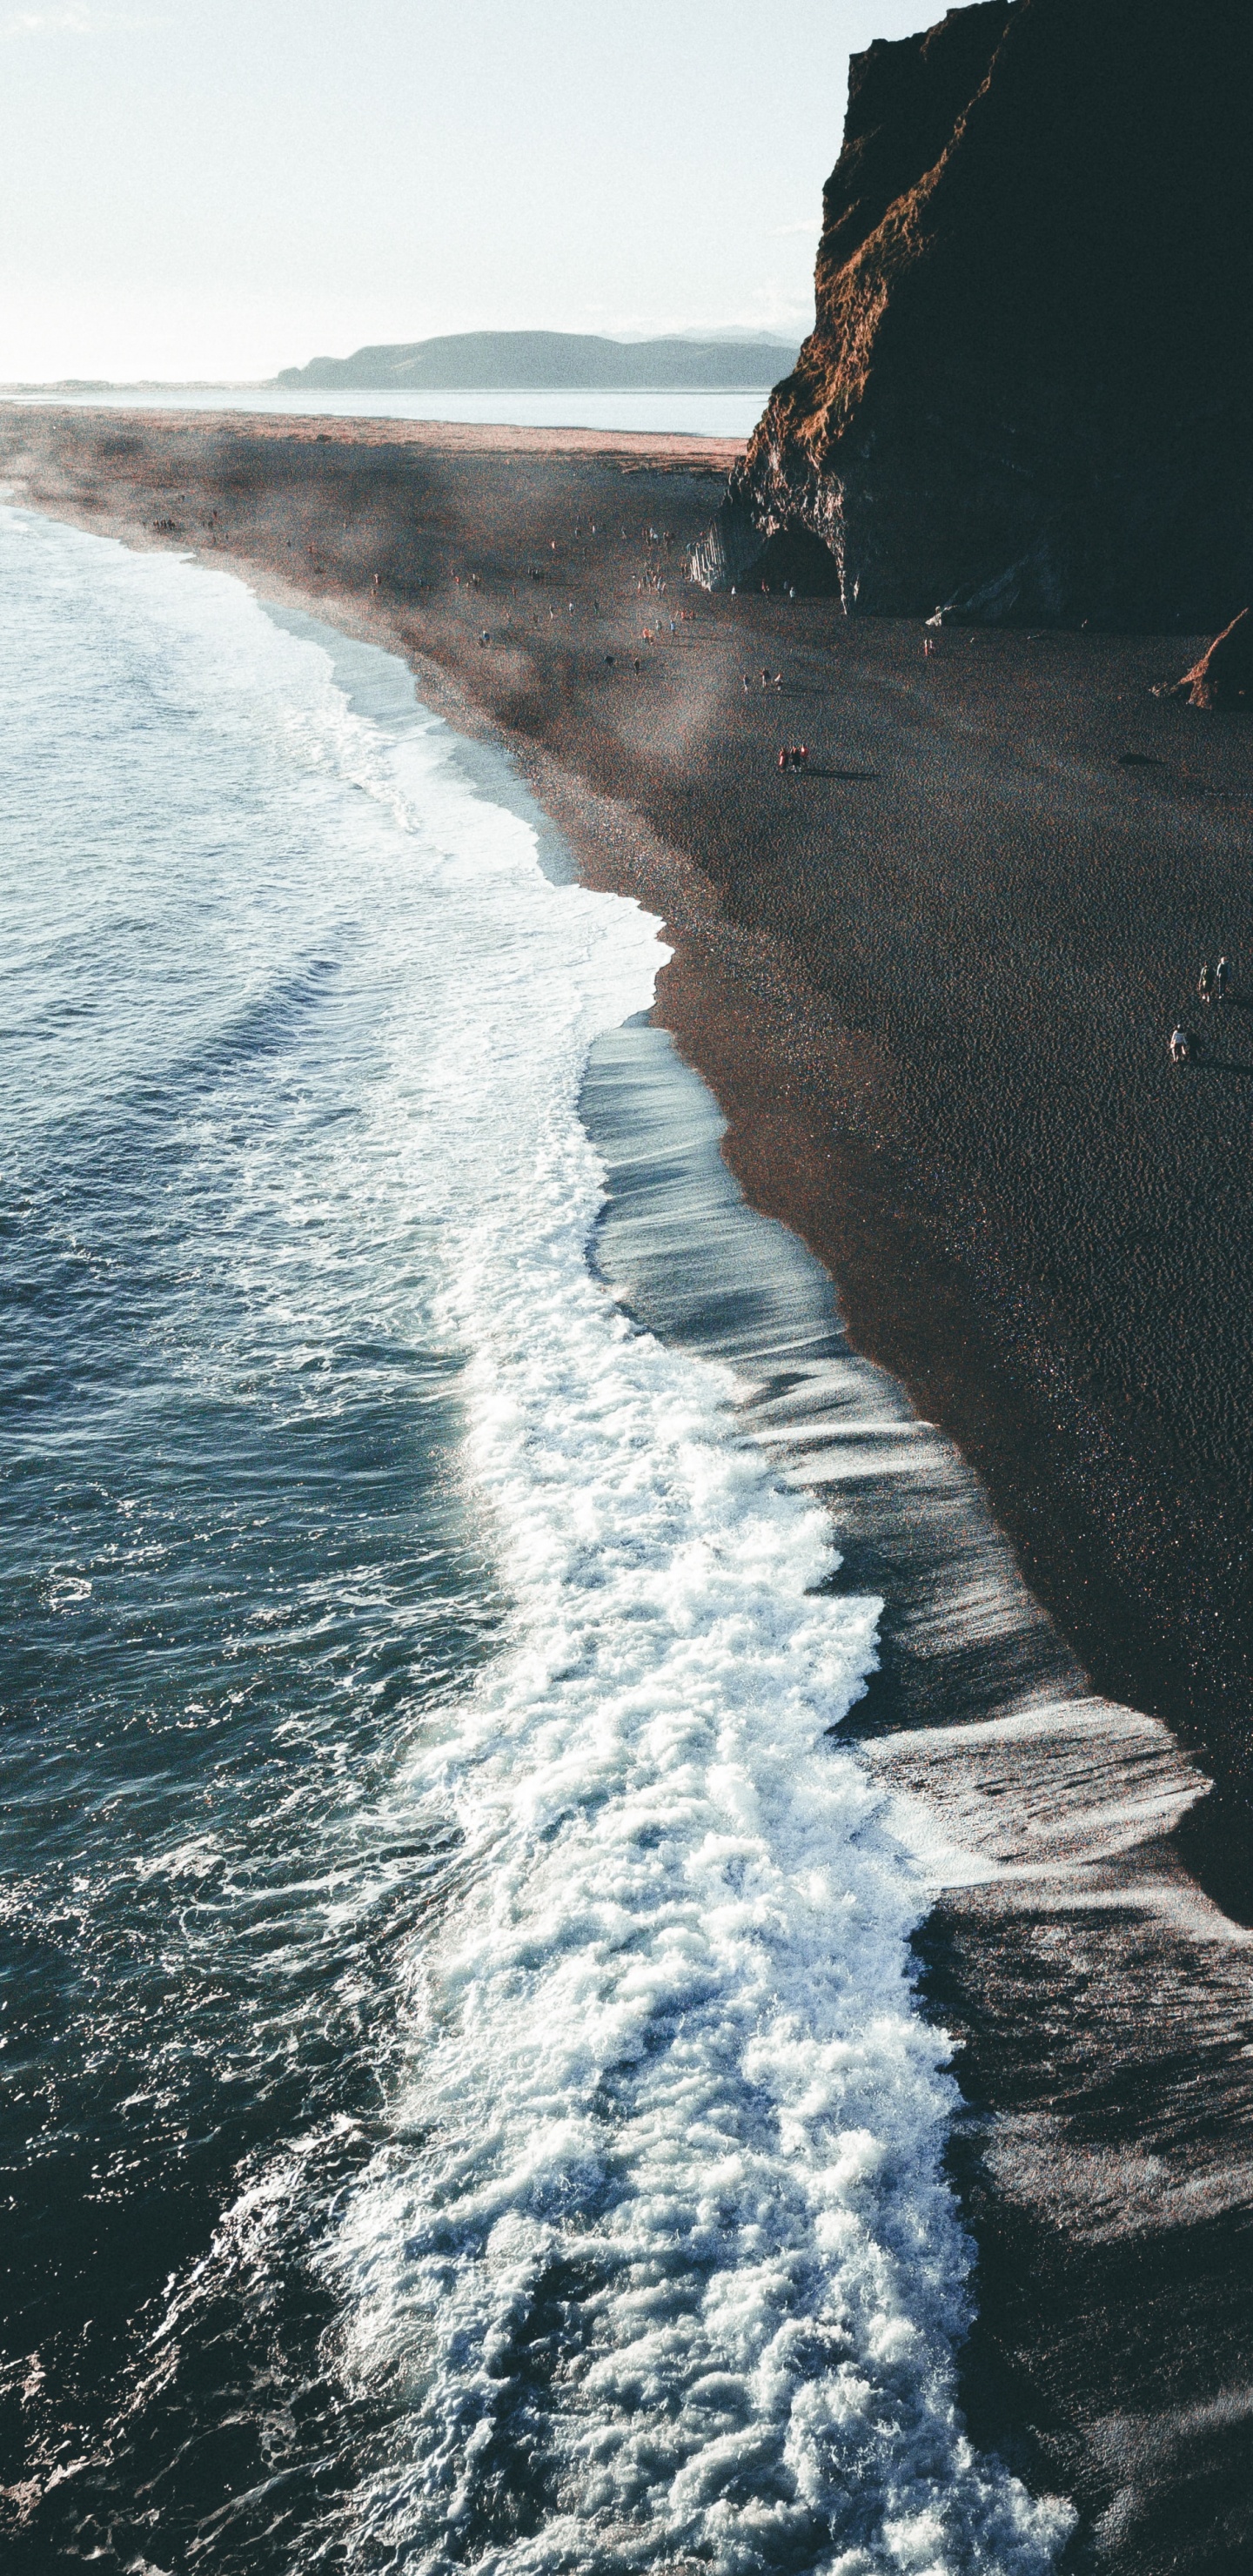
x,y
690,414
464,2102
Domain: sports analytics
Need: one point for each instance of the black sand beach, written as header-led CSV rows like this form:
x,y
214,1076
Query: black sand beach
x,y
931,983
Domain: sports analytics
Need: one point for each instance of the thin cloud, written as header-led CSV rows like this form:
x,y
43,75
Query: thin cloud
x,y
73,22
807,224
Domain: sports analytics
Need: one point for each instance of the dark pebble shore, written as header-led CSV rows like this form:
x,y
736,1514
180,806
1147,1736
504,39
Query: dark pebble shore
x,y
931,982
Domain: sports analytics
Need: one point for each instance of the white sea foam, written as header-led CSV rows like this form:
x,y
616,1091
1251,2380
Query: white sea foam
x,y
674,2267
656,2259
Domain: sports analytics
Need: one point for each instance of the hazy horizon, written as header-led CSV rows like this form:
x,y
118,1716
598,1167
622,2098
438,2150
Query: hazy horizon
x,y
731,334
216,194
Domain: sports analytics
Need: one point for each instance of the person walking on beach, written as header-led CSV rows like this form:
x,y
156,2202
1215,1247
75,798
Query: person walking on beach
x,y
1180,1045
1202,981
1222,977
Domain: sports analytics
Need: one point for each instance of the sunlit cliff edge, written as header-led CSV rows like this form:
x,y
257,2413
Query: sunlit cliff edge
x,y
1028,390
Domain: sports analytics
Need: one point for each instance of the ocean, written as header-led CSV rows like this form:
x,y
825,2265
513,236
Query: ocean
x,y
466,2098
675,409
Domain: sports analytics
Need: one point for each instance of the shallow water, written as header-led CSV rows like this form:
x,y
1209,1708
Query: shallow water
x,y
465,2101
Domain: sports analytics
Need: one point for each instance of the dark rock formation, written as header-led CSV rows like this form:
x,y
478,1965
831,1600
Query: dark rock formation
x,y
1029,390
1224,676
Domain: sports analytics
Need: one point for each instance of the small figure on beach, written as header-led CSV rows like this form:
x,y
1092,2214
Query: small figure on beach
x,y
1182,1044
1222,977
485,638
794,755
746,684
1202,981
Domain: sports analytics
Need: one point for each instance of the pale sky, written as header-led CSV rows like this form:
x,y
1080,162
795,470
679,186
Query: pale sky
x,y
219,188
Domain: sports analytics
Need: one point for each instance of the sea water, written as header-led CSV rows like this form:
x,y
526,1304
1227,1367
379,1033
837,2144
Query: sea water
x,y
465,2103
672,411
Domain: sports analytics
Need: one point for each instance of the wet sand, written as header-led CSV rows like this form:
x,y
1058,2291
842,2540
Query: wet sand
x,y
930,984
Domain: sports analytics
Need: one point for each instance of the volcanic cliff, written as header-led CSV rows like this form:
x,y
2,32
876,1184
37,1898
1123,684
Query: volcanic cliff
x,y
1028,389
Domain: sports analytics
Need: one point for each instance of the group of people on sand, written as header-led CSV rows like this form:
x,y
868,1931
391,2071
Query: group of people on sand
x,y
794,755
1212,986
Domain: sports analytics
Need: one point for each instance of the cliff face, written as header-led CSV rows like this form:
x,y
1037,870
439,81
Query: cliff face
x,y
1029,390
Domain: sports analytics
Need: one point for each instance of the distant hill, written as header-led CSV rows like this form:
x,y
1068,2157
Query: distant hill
x,y
535,361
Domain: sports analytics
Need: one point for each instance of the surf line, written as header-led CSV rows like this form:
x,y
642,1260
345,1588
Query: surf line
x,y
1038,1814
1003,1778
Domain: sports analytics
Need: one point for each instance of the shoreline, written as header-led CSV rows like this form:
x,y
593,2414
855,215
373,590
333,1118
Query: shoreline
x,y
691,1260
833,1114
1148,1574
1129,1972
688,447
832,981
1033,1807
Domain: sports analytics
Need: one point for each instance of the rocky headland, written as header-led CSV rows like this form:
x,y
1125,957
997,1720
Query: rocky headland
x,y
1026,396
553,361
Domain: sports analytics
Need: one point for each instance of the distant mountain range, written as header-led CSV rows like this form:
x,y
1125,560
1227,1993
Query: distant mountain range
x,y
538,361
